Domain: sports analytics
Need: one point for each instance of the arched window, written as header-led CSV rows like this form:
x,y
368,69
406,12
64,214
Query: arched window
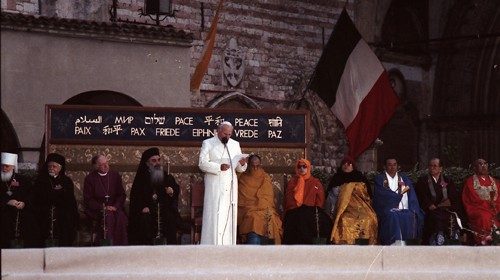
x,y
102,97
406,21
9,142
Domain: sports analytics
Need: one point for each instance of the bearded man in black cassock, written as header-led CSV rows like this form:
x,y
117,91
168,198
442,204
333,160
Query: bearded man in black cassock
x,y
55,202
153,188
19,227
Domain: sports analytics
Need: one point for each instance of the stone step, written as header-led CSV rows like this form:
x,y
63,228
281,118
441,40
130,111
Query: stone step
x,y
253,262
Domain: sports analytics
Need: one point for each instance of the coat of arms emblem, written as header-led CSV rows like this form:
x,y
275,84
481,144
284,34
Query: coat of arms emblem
x,y
233,63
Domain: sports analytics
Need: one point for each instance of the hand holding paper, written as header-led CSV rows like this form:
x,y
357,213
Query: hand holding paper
x,y
243,159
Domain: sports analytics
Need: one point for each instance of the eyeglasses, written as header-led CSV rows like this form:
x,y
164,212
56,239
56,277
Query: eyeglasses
x,y
302,166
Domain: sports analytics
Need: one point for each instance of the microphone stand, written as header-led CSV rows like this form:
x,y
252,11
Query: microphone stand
x,y
231,191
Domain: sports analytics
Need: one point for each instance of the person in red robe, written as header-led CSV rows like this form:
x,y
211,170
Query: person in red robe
x,y
481,202
305,219
103,190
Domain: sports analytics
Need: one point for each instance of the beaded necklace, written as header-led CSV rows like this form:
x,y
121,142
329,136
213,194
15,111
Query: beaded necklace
x,y
484,191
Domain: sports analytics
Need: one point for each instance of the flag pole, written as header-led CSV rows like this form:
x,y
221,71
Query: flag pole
x,y
209,41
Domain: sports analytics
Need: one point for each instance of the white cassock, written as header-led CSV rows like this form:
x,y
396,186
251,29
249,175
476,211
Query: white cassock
x,y
219,218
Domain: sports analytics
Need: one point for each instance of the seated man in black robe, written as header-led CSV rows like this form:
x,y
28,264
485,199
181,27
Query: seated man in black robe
x,y
19,227
153,201
55,203
440,200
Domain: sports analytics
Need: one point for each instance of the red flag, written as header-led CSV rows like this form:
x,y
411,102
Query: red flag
x,y
353,83
202,66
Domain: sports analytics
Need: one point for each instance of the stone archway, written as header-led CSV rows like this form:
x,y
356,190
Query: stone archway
x,y
10,141
234,100
465,114
102,97
96,97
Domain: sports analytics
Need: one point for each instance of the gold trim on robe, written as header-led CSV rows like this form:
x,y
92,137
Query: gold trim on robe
x,y
355,216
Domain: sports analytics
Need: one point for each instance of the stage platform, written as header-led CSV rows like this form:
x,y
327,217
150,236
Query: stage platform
x,y
254,262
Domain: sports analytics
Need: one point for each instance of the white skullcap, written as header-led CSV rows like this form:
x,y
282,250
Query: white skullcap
x,y
9,159
225,123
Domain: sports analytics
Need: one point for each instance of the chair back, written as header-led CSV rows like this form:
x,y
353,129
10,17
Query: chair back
x,y
197,197
197,194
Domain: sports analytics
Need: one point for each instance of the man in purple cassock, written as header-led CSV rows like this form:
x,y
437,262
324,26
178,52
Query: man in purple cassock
x,y
103,192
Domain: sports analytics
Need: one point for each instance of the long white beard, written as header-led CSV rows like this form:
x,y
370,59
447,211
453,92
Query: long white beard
x,y
6,176
156,175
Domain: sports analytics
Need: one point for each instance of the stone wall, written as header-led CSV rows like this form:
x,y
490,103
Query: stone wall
x,y
280,42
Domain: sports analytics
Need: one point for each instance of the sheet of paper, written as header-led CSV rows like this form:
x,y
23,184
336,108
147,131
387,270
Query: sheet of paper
x,y
235,159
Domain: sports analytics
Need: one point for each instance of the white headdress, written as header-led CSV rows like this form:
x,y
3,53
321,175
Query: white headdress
x,y
9,159
225,123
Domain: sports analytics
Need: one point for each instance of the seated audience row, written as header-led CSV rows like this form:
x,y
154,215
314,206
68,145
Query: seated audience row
x,y
432,211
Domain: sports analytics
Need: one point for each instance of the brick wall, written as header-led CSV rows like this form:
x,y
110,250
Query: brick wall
x,y
281,40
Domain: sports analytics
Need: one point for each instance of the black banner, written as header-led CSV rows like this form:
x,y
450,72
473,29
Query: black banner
x,y
186,127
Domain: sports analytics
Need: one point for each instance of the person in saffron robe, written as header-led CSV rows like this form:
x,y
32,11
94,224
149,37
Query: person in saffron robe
x,y
103,190
19,227
153,188
438,197
258,220
55,202
396,204
355,217
305,220
346,173
220,158
481,202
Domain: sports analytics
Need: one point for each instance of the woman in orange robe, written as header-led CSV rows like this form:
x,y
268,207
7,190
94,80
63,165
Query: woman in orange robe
x,y
258,221
305,219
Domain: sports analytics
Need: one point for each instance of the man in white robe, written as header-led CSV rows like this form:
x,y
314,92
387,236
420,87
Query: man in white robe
x,y
220,158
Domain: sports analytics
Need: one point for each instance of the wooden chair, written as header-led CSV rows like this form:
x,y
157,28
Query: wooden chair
x,y
197,196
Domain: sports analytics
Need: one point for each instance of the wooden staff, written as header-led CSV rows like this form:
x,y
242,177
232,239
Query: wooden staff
x,y
104,228
52,220
316,216
17,242
158,220
18,223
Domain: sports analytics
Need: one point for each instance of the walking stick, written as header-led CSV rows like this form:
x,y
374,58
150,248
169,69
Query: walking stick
x,y
17,242
105,241
159,239
51,241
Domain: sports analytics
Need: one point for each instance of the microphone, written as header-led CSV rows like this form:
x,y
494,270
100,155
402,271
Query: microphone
x,y
224,141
